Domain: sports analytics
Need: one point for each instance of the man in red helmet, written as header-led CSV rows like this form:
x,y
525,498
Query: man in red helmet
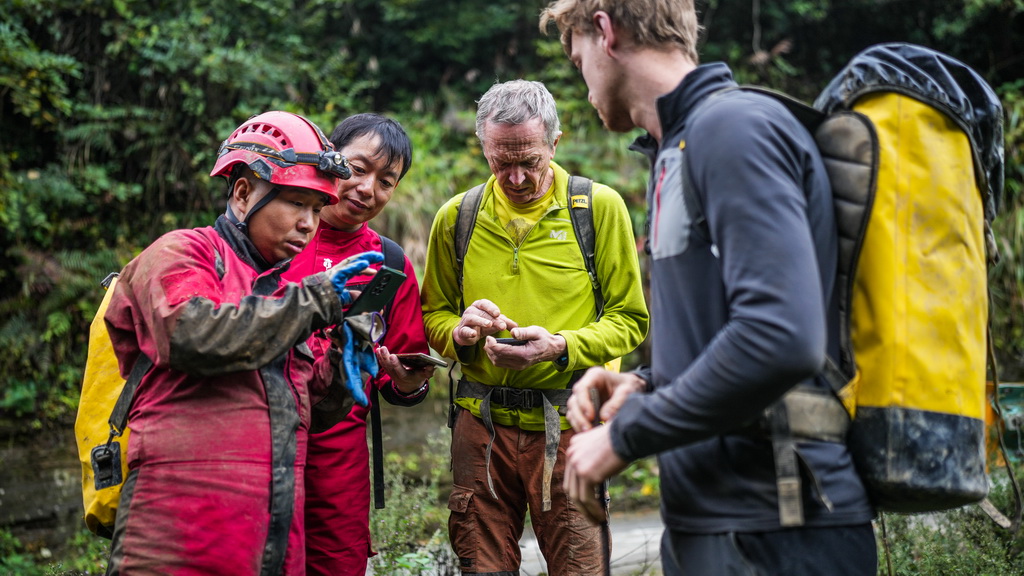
x,y
219,423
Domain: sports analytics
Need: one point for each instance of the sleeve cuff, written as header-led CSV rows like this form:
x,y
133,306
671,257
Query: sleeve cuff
x,y
409,395
644,373
562,362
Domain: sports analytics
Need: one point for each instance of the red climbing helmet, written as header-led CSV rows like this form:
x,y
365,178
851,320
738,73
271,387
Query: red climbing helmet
x,y
286,149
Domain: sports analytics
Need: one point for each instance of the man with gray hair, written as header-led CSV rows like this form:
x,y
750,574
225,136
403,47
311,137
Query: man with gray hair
x,y
504,261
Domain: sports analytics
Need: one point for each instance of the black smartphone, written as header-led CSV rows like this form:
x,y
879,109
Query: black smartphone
x,y
380,290
511,341
420,360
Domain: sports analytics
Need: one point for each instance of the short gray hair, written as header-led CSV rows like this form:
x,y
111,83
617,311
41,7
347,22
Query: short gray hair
x,y
517,102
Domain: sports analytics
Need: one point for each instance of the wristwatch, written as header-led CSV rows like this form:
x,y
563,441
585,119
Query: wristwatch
x,y
563,360
414,393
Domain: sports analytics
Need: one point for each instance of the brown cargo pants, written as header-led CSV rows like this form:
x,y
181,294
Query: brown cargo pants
x,y
485,531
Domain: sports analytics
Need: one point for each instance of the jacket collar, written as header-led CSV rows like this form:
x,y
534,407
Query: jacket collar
x,y
674,107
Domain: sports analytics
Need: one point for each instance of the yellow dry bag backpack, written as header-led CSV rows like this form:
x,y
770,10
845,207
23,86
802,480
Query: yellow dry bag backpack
x,y
913,144
912,141
101,426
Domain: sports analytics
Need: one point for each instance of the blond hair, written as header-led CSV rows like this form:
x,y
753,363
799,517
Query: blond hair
x,y
648,23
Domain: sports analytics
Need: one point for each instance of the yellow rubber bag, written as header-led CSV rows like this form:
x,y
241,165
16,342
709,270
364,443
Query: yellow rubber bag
x,y
919,313
101,388
912,141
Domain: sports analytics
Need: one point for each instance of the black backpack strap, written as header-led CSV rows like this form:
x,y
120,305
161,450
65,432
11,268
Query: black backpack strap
x,y
394,257
106,458
582,216
465,221
378,449
119,415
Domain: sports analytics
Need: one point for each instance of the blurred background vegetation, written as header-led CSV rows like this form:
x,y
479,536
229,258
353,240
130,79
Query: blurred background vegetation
x,y
112,112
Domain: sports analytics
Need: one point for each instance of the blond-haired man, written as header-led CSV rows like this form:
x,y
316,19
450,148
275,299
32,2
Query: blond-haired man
x,y
743,256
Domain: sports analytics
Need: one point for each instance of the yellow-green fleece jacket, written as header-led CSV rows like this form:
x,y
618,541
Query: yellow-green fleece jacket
x,y
542,282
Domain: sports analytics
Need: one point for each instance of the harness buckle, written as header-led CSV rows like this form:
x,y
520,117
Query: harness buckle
x,y
514,397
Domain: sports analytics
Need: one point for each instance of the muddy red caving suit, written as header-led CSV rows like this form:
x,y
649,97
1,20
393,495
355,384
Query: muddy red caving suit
x,y
219,424
337,464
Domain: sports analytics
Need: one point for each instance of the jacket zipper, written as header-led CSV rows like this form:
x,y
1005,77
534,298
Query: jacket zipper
x,y
515,247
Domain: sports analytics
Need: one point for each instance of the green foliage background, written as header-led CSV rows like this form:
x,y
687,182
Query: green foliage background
x,y
112,111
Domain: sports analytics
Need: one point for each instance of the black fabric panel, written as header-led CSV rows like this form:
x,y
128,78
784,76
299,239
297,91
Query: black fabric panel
x,y
916,461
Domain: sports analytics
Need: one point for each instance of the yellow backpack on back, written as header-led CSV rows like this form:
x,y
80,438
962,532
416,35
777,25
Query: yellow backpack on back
x,y
913,144
100,428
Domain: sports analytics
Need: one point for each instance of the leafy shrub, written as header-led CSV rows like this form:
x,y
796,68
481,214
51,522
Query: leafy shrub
x,y
960,542
411,533
85,554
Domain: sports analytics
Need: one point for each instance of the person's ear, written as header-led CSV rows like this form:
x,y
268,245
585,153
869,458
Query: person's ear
x,y
605,30
242,197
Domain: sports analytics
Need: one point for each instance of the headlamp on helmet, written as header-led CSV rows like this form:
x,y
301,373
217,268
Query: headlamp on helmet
x,y
330,161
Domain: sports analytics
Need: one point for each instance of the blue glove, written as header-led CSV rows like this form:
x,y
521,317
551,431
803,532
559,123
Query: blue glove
x,y
357,357
349,267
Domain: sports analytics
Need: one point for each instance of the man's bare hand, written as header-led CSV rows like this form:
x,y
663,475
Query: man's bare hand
x,y
482,318
613,389
541,346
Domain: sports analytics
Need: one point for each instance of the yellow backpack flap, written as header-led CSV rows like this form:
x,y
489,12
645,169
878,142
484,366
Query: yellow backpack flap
x,y
103,406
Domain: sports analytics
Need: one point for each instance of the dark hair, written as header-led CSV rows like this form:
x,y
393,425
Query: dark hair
x,y
394,142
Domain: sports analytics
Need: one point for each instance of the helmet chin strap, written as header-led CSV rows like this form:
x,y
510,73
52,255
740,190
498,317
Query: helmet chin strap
x,y
243,225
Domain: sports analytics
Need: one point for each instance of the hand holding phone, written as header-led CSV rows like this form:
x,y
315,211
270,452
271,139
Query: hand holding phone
x,y
511,341
378,292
